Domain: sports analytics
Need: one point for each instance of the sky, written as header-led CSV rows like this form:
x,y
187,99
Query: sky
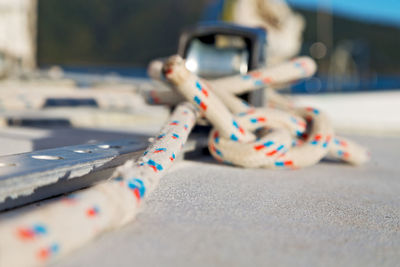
x,y
382,11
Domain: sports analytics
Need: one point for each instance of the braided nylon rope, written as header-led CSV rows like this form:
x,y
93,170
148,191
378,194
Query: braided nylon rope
x,y
275,76
252,137
261,137
34,236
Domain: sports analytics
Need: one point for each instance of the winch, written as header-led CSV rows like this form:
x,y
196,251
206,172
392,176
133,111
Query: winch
x,y
217,49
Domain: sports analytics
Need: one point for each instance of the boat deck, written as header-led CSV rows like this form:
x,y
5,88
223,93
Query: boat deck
x,y
207,214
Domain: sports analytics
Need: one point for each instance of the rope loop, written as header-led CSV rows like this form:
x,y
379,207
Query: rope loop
x,y
260,137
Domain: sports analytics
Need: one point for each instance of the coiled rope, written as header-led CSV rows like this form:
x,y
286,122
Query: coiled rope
x,y
261,137
242,135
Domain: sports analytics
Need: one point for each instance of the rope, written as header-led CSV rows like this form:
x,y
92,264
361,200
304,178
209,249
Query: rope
x,y
274,77
261,137
241,135
37,235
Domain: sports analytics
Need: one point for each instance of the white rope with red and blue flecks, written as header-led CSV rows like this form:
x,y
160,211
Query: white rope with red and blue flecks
x,y
275,77
37,235
285,139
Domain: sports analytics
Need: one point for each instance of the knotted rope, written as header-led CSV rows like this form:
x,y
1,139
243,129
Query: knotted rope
x,y
261,137
242,135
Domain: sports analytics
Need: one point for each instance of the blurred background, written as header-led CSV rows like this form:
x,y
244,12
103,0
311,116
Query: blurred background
x,y
356,43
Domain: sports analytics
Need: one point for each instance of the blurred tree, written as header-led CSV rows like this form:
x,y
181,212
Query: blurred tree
x,y
123,32
132,32
380,42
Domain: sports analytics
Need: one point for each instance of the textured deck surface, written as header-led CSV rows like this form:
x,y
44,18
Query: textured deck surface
x,y
205,214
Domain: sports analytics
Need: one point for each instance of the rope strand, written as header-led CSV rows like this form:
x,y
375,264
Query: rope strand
x,y
33,236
